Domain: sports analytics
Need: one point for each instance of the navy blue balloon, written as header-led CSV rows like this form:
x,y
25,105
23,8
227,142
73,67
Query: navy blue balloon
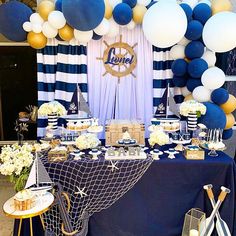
x,y
83,15
214,118
179,67
202,12
179,81
194,49
188,10
131,3
197,67
227,134
220,96
96,36
194,30
193,83
58,5
122,14
151,4
12,16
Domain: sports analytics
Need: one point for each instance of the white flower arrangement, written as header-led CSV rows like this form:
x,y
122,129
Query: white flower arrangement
x,y
86,141
15,162
158,137
192,106
51,108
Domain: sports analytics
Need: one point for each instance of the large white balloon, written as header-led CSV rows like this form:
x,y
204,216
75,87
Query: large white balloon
x,y
36,28
114,29
103,27
56,19
49,31
210,58
202,94
213,78
185,92
177,52
83,36
27,26
35,18
115,2
131,25
219,34
164,24
144,2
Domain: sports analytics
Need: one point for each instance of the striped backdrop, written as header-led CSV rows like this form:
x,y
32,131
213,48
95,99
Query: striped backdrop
x,y
60,68
162,76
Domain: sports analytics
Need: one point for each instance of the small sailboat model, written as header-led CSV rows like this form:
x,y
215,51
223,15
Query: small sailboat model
x,y
39,179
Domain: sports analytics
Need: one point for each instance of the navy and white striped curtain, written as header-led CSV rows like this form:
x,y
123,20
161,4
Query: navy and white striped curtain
x,y
162,76
61,67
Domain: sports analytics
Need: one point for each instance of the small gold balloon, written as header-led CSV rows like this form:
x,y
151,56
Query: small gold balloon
x,y
45,8
108,10
188,97
138,13
66,33
230,105
220,5
230,121
36,41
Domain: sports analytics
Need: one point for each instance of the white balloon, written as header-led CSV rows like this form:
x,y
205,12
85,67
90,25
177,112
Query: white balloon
x,y
131,25
191,3
144,2
27,26
184,41
35,18
202,94
219,34
83,36
103,27
37,28
49,31
115,2
213,78
114,29
185,92
210,58
164,24
177,52
56,19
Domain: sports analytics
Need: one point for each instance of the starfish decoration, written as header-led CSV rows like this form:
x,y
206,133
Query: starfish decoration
x,y
113,166
81,192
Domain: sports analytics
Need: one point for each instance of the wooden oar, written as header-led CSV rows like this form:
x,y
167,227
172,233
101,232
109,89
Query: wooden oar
x,y
221,226
210,220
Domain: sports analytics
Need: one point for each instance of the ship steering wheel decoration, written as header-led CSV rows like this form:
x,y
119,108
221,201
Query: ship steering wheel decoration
x,y
119,59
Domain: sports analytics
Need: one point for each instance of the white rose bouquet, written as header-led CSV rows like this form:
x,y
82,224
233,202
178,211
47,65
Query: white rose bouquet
x,y
86,141
51,108
193,107
158,137
15,162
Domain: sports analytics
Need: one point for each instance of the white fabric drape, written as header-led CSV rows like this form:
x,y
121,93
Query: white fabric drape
x,y
133,97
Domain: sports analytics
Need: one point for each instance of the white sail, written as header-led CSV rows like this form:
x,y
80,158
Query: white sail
x,y
32,176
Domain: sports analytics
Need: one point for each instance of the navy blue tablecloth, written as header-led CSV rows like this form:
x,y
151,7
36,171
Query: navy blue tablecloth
x,y
156,205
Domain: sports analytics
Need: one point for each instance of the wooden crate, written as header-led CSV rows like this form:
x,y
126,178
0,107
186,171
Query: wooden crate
x,y
116,128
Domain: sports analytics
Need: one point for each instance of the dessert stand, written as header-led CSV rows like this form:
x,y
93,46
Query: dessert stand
x,y
180,144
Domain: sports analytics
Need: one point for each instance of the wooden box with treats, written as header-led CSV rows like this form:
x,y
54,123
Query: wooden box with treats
x,y
116,128
57,154
192,152
23,200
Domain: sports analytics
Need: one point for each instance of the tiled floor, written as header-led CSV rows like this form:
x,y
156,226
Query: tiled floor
x,y
6,191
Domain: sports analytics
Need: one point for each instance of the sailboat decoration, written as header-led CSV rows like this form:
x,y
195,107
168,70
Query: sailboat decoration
x,y
39,179
77,105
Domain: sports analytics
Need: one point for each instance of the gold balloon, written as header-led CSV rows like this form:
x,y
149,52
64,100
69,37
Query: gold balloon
x,y
36,41
108,10
138,13
189,97
66,33
220,5
230,121
45,8
230,105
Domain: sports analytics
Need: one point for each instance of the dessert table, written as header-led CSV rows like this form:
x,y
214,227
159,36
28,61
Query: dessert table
x,y
156,205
